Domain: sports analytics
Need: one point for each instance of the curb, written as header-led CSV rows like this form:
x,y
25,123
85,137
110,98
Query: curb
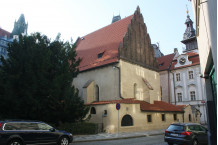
x,y
118,138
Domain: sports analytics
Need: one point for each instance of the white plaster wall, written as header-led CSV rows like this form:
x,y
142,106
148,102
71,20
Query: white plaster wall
x,y
131,74
107,78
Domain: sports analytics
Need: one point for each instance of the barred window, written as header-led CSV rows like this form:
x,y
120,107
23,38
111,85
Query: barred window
x,y
179,95
192,94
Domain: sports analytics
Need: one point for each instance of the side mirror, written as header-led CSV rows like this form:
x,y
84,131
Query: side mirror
x,y
52,129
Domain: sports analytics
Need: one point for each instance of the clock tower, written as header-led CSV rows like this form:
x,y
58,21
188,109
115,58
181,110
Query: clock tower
x,y
189,37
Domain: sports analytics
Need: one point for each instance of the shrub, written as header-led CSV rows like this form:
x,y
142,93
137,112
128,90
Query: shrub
x,y
79,128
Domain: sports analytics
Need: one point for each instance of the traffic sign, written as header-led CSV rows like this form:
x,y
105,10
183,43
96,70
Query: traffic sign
x,y
118,106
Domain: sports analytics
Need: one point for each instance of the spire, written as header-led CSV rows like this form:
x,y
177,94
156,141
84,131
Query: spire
x,y
189,37
20,26
190,31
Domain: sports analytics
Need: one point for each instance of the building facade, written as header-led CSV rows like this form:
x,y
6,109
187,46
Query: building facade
x,y
205,13
118,67
4,40
186,83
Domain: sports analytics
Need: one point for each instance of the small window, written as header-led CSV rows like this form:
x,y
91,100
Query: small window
x,y
163,117
192,94
179,95
93,111
190,74
178,77
190,117
149,119
175,116
105,112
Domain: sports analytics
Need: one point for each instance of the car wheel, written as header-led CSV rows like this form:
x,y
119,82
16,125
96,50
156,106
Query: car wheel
x,y
15,142
170,143
64,141
195,142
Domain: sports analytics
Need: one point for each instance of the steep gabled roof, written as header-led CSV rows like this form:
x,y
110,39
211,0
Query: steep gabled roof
x,y
101,47
158,106
165,61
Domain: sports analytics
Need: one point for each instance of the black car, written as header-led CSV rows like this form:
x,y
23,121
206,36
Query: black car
x,y
186,134
31,132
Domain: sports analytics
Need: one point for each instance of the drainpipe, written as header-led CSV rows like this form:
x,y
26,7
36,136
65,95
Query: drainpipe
x,y
117,67
174,91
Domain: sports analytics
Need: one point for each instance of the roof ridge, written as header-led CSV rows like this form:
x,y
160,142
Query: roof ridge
x,y
108,25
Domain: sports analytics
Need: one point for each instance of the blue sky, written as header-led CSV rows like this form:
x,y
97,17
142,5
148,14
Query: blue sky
x,y
73,18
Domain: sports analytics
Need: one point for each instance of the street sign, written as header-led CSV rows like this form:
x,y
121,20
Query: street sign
x,y
118,106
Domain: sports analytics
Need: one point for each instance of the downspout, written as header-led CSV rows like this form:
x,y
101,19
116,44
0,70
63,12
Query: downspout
x,y
169,79
174,87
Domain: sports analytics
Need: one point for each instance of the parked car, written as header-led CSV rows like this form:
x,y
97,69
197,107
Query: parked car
x,y
186,134
31,132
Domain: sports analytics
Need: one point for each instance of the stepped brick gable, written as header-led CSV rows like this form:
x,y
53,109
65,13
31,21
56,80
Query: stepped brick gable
x,y
136,47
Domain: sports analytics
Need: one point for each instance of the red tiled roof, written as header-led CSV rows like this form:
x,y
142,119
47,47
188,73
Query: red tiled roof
x,y
4,33
181,106
164,61
192,56
158,106
105,40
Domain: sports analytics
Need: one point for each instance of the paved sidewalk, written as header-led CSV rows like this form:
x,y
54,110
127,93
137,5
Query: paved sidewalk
x,y
108,136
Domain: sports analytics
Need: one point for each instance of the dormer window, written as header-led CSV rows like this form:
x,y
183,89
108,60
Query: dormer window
x,y
161,64
100,55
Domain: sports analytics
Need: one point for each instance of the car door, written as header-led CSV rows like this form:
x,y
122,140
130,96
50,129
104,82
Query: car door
x,y
204,135
201,134
46,133
29,132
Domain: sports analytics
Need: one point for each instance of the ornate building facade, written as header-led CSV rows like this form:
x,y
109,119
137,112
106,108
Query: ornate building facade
x,y
186,83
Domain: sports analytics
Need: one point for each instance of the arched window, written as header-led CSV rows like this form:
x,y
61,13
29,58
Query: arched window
x,y
93,111
97,92
135,90
127,121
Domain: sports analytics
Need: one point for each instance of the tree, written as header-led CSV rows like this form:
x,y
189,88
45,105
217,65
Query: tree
x,y
36,81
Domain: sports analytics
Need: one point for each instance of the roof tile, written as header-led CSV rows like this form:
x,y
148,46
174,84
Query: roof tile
x,y
107,40
158,106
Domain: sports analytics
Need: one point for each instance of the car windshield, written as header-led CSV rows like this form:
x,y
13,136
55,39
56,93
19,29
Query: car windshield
x,y
174,127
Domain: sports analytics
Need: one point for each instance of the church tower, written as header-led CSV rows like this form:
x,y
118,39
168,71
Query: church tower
x,y
20,27
189,37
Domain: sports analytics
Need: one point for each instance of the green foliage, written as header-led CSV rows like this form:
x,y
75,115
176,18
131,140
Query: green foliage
x,y
79,128
36,81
